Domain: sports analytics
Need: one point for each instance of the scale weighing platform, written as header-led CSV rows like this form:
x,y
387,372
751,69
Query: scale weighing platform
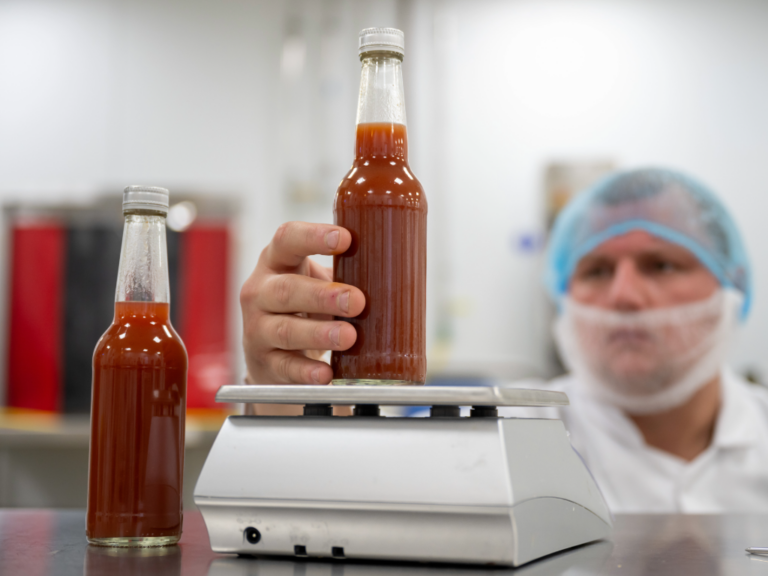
x,y
479,489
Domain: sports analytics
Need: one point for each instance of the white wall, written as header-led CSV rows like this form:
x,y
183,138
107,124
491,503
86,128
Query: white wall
x,y
95,95
678,83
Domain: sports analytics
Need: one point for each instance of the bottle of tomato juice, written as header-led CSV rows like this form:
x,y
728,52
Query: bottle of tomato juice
x,y
139,393
383,205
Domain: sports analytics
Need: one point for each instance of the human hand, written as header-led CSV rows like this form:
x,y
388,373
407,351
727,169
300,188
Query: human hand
x,y
288,304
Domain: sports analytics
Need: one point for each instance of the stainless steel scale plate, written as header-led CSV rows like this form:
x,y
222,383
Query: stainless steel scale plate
x,y
392,395
481,490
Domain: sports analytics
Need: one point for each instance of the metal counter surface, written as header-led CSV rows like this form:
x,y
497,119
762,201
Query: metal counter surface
x,y
43,542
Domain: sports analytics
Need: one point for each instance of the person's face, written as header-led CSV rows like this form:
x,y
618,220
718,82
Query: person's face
x,y
638,271
634,273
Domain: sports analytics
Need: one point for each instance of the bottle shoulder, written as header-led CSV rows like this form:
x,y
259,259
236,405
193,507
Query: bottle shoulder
x,y
145,344
381,183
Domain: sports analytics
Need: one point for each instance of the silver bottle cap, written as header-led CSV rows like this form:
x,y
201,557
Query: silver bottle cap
x,y
138,197
382,40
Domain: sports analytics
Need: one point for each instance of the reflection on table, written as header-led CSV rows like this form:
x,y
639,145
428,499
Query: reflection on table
x,y
43,542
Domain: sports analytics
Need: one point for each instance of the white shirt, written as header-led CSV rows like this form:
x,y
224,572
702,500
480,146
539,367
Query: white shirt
x,y
731,475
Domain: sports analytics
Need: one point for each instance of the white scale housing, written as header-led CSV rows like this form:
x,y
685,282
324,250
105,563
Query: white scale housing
x,y
479,490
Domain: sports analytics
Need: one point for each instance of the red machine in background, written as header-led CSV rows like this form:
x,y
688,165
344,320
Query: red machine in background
x,y
36,316
63,267
204,311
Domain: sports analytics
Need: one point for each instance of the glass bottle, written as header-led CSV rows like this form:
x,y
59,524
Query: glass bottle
x,y
138,399
383,205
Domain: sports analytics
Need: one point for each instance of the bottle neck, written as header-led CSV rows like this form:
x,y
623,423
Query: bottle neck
x,y
143,273
381,131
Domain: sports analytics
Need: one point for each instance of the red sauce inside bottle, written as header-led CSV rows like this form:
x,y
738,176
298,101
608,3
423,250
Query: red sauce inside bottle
x,y
137,426
383,205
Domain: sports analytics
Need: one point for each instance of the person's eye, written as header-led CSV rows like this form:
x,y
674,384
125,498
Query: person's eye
x,y
664,266
596,272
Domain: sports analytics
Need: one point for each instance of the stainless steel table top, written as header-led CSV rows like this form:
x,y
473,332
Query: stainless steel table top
x,y
391,395
47,542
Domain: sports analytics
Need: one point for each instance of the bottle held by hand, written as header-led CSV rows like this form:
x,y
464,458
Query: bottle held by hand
x,y
383,205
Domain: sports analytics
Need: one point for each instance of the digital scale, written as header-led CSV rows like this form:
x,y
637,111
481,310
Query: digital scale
x,y
478,489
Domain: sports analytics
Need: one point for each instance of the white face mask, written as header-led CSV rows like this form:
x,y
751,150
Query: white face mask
x,y
650,361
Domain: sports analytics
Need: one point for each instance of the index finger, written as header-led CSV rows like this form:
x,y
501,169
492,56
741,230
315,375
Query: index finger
x,y
294,241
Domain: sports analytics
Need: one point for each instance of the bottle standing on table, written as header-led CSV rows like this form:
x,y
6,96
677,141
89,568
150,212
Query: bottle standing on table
x,y
383,206
139,393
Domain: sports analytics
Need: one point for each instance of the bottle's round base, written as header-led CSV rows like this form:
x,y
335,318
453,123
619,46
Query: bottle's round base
x,y
135,542
371,382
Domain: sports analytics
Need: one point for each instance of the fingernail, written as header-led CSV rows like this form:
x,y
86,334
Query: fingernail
x,y
344,301
332,239
316,373
334,335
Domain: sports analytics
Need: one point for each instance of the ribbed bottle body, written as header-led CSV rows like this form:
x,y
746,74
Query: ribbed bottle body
x,y
383,206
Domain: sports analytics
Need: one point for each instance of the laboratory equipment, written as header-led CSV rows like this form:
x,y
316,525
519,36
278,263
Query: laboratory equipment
x,y
478,489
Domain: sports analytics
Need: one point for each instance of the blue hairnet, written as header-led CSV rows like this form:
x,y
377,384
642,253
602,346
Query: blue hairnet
x,y
664,203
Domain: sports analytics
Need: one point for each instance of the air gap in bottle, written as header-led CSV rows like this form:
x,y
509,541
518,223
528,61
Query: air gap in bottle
x,y
383,206
139,393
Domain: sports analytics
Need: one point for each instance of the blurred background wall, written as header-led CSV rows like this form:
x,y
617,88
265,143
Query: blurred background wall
x,y
522,84
251,104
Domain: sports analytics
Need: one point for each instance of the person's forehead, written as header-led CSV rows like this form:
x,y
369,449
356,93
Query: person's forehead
x,y
636,243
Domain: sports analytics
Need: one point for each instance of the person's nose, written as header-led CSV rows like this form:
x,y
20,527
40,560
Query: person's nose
x,y
627,291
